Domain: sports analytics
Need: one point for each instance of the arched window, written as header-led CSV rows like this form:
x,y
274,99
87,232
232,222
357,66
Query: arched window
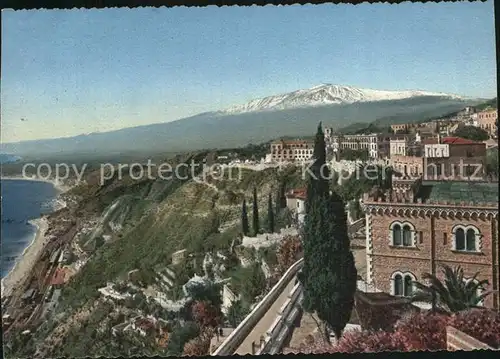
x,y
398,285
466,238
459,239
408,286
471,240
407,236
396,235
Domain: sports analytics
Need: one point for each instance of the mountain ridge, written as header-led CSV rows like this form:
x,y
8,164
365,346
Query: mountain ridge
x,y
227,130
328,94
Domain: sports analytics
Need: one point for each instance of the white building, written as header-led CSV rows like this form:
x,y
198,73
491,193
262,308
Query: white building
x,y
296,201
377,145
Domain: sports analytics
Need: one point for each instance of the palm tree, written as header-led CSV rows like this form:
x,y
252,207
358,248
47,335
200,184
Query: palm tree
x,y
455,294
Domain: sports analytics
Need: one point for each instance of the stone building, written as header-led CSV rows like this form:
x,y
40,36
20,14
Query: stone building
x,y
295,202
419,225
377,145
487,121
453,157
291,150
410,165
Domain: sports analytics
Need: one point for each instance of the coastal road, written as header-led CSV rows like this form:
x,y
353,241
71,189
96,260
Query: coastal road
x,y
266,321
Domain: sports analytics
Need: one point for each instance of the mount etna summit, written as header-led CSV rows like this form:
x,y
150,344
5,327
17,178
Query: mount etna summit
x,y
327,94
259,120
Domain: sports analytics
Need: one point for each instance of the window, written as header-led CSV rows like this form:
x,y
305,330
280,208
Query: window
x,y
470,240
406,236
459,239
398,285
402,284
396,235
466,238
402,234
408,286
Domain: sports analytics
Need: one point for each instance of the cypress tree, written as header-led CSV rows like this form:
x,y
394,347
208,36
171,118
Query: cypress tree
x,y
244,218
255,212
282,195
270,214
329,274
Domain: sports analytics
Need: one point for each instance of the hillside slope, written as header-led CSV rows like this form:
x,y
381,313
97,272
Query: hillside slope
x,y
127,225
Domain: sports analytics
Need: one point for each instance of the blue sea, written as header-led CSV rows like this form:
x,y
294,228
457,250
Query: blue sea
x,y
22,200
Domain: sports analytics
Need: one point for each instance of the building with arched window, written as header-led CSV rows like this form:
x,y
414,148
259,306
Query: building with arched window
x,y
418,225
402,284
402,234
466,238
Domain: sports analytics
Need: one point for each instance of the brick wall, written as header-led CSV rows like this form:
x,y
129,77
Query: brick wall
x,y
416,260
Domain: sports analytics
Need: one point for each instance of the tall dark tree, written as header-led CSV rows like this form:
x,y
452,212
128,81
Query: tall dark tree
x,y
281,196
270,214
244,218
255,219
318,173
329,274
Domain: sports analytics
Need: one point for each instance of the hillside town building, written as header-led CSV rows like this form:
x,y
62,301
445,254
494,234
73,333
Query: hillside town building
x,y
291,150
419,225
487,121
295,202
376,144
454,157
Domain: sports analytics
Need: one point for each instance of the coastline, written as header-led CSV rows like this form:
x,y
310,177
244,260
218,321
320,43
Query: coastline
x,y
27,258
61,188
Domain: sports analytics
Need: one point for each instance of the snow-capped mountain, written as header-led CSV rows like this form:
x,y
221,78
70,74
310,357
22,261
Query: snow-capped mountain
x,y
326,94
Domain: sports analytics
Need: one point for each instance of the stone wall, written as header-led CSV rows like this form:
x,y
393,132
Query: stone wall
x,y
458,340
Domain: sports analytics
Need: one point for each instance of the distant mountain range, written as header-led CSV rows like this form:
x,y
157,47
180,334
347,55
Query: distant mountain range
x,y
292,114
327,94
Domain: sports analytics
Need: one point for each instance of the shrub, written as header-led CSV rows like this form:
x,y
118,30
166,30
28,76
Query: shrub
x,y
374,316
288,252
355,342
206,314
482,324
421,331
367,341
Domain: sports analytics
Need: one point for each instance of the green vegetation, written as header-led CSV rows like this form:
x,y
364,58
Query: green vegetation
x,y
180,336
488,104
270,214
249,281
492,162
353,155
255,218
472,133
364,129
454,293
244,219
329,274
237,312
369,176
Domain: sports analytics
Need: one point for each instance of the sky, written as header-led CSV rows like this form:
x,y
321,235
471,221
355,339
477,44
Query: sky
x,y
68,72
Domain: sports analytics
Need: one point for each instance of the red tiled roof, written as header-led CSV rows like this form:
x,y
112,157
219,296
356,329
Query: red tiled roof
x,y
299,193
58,277
450,141
458,141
